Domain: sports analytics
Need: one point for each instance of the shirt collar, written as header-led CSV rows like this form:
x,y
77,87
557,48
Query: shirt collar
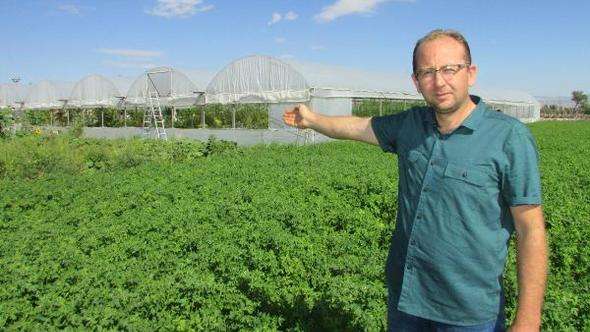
x,y
471,122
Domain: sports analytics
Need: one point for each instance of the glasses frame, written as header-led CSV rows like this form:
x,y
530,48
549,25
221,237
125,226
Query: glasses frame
x,y
421,72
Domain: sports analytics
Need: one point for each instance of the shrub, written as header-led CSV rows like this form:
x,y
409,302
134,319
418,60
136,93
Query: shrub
x,y
6,122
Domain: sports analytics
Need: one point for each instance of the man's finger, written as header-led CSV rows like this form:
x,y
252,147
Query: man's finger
x,y
291,109
289,119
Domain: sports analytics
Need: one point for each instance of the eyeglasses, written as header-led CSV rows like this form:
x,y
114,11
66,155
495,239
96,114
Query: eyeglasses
x,y
428,75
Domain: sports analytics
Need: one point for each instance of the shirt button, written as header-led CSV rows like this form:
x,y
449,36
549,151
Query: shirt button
x,y
432,163
413,242
409,266
419,216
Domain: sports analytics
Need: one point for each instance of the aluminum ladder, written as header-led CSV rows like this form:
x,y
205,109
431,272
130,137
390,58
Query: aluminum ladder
x,y
153,118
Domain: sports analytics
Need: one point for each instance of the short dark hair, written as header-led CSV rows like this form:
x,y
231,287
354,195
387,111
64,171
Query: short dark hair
x,y
438,33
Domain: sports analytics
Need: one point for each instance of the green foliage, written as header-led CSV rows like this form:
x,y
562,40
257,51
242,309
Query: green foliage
x,y
247,116
33,156
6,122
375,107
77,128
188,118
150,235
580,99
565,176
252,116
37,117
212,245
215,146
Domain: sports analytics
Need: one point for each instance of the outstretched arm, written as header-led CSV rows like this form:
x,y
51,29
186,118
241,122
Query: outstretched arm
x,y
532,266
341,127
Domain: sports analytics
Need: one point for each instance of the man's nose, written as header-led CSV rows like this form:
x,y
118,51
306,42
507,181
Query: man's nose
x,y
439,80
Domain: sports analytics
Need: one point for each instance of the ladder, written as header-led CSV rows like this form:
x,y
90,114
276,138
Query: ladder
x,y
305,136
153,120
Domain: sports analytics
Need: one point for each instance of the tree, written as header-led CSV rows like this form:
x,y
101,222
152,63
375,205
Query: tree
x,y
580,100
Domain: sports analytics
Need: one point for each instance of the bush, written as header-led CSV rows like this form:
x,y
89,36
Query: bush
x,y
77,129
6,122
38,154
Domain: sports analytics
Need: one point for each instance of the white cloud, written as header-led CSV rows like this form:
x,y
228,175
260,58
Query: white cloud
x,y
348,7
276,18
318,48
179,8
287,56
70,9
130,53
123,64
280,40
291,16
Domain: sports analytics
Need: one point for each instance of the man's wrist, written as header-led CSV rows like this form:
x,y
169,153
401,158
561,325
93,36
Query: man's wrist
x,y
312,121
526,324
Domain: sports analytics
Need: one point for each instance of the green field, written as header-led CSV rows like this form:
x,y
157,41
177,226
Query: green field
x,y
181,235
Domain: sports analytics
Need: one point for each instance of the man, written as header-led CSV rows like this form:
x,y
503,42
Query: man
x,y
468,177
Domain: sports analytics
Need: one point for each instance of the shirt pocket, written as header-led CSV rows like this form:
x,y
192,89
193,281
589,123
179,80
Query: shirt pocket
x,y
466,174
471,193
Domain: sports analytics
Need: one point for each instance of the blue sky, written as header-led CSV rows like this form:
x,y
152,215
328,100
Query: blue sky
x,y
540,47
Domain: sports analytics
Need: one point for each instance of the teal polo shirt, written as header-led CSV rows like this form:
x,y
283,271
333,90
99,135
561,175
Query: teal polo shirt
x,y
450,242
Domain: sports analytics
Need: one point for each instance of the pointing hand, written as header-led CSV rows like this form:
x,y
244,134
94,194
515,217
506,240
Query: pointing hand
x,y
298,116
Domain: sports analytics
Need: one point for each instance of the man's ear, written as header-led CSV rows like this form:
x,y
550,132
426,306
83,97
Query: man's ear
x,y
472,70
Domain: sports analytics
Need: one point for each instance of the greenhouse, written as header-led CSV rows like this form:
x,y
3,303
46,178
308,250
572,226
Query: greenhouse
x,y
173,88
244,101
47,95
12,95
257,79
281,84
261,80
94,91
517,104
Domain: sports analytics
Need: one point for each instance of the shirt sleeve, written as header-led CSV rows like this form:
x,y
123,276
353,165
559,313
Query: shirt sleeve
x,y
387,129
521,178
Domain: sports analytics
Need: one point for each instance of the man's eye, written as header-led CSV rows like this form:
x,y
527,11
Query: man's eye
x,y
449,70
428,72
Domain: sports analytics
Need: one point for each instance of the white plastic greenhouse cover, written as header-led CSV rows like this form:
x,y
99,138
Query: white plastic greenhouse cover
x,y
173,87
200,77
46,95
518,104
94,91
122,83
257,78
505,96
11,94
335,81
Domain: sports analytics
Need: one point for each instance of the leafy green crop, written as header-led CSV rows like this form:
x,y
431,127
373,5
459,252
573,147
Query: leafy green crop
x,y
206,236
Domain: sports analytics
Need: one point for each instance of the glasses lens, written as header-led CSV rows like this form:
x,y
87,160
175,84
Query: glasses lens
x,y
426,74
449,70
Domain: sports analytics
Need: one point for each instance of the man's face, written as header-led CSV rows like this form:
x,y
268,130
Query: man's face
x,y
446,93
